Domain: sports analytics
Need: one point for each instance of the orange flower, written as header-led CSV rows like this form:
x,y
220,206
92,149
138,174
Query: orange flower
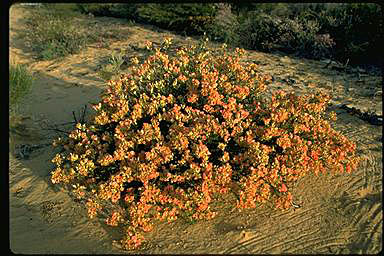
x,y
267,121
193,98
208,108
348,168
182,78
315,155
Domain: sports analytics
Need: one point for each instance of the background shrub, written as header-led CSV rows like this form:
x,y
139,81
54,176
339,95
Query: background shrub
x,y
178,133
96,9
357,30
52,32
298,35
259,31
191,19
127,11
224,26
340,31
311,30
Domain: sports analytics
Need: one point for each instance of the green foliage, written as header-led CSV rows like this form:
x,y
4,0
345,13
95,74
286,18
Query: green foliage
x,y
357,30
299,35
67,10
113,68
340,31
312,30
259,32
184,18
182,130
224,26
127,11
20,82
96,9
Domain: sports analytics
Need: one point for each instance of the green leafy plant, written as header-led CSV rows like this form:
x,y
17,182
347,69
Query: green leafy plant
x,y
113,68
259,31
179,132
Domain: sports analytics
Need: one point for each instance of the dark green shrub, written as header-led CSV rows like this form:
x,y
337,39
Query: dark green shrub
x,y
314,30
178,133
299,35
357,30
224,26
259,31
304,38
183,18
187,18
126,11
96,9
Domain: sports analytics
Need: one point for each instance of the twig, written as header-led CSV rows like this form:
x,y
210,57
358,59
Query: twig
x,y
74,116
45,126
72,122
56,130
52,128
83,116
295,205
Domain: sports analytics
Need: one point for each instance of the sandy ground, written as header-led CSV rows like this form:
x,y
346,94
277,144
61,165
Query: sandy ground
x,y
338,213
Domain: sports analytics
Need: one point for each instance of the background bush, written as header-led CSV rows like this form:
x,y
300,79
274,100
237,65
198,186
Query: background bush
x,y
52,32
190,18
224,26
340,31
97,9
357,30
311,30
180,132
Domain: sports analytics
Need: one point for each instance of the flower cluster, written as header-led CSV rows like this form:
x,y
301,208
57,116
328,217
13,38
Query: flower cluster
x,y
177,132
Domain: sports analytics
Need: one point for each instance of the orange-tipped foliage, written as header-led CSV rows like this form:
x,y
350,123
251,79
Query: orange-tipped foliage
x,y
178,131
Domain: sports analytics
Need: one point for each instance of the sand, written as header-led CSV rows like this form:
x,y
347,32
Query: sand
x,y
338,213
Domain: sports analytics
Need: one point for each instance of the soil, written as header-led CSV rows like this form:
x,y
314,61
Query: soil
x,y
337,213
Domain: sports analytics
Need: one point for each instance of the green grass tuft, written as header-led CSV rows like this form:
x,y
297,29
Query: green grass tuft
x,y
20,83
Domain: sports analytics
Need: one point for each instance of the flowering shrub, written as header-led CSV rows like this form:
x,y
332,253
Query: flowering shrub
x,y
177,132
